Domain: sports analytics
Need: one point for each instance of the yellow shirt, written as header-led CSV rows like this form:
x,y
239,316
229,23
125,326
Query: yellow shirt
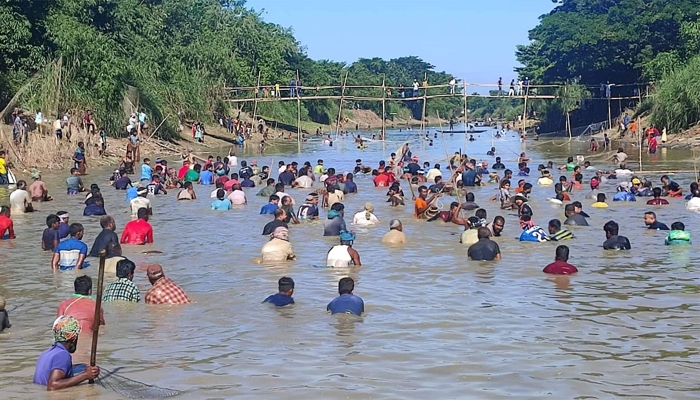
x,y
3,170
599,204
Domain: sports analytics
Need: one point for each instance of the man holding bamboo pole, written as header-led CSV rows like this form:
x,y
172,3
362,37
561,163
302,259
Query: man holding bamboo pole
x,y
55,368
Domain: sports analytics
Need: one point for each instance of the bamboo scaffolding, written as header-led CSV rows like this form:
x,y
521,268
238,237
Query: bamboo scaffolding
x,y
527,93
425,101
366,98
298,117
383,108
340,108
466,115
255,97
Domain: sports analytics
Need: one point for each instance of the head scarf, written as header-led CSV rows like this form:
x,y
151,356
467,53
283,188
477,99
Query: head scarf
x,y
281,233
35,175
347,236
332,214
65,328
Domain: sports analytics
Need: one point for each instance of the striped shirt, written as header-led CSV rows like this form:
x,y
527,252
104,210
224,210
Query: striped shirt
x,y
563,234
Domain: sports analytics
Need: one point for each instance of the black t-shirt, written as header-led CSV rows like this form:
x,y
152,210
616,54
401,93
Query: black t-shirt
x,y
436,187
498,166
658,226
413,168
483,250
286,178
122,183
102,240
576,219
272,225
672,186
617,243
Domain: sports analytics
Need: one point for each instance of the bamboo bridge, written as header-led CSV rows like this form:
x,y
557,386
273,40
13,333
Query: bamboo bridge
x,y
525,92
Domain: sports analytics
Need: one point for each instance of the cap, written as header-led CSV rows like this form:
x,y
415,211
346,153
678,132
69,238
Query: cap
x,y
154,271
636,181
520,196
141,190
625,185
62,214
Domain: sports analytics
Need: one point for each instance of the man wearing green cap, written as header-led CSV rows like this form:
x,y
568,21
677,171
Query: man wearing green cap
x,y
55,368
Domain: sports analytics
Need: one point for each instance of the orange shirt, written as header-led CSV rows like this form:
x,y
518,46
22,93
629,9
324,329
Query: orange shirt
x,y
419,205
633,127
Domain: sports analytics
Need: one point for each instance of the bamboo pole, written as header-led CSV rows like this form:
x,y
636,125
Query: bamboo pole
x,y
159,125
695,164
425,98
609,113
466,115
453,176
527,94
340,108
298,117
98,310
255,95
639,121
370,98
383,108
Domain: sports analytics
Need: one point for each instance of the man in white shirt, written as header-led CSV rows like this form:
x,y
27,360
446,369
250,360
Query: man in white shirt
x,y
20,200
620,157
232,160
433,173
140,202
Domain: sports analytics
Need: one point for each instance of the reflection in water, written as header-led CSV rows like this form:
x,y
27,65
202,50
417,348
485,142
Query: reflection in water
x,y
436,324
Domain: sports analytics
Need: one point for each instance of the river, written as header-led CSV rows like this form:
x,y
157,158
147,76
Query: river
x,y
436,323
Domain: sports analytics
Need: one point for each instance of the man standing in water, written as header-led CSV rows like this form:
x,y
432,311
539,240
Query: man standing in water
x,y
105,237
395,234
423,204
81,306
164,290
614,241
6,224
138,231
485,249
347,302
54,368
123,288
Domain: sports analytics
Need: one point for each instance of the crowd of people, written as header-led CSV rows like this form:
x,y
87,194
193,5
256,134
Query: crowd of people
x,y
228,182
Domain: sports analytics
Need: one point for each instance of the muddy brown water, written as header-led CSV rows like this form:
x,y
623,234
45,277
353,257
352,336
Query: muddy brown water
x,y
437,324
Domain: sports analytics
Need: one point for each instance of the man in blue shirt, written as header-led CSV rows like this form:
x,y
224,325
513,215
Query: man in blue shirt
x,y
272,206
63,227
206,177
309,210
70,253
221,204
284,297
346,303
54,368
146,172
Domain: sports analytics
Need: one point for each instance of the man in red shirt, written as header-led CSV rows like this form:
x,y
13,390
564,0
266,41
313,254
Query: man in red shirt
x,y
81,306
183,170
228,185
382,179
164,290
560,266
6,224
138,231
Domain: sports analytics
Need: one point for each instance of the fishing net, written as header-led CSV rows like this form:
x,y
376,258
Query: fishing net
x,y
130,388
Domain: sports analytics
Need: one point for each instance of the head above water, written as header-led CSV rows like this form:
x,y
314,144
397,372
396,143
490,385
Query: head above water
x,y
562,253
395,224
346,286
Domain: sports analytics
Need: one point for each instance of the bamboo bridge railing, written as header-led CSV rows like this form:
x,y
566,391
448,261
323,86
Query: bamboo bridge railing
x,y
343,92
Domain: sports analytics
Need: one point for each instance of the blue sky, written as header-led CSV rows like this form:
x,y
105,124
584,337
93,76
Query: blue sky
x,y
472,39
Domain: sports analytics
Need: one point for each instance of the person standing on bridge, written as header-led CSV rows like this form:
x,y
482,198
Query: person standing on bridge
x,y
292,88
511,92
416,85
453,83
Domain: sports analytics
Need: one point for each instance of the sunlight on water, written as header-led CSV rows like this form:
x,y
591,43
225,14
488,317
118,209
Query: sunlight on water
x,y
437,324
